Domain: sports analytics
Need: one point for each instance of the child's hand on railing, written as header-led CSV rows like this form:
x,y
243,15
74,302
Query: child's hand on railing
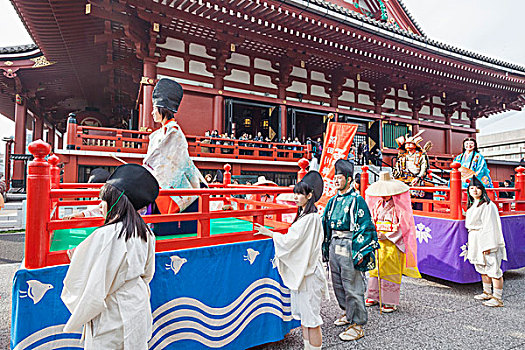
x,y
261,230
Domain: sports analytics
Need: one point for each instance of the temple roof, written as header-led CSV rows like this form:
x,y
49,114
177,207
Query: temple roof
x,y
97,54
389,29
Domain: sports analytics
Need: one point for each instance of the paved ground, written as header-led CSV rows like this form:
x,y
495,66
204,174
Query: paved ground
x,y
434,314
11,247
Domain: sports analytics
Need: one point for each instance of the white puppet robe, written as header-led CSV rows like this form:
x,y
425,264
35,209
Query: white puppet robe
x,y
484,232
106,289
298,252
169,161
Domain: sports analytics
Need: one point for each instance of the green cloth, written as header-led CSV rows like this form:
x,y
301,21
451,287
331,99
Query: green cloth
x,y
349,212
70,238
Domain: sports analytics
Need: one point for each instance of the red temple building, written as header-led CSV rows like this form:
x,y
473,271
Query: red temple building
x,y
282,68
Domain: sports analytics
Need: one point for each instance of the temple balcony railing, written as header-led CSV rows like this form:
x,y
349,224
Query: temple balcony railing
x,y
89,138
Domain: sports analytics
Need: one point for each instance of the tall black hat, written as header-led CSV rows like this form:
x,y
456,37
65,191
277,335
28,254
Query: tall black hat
x,y
344,167
167,94
138,184
474,181
98,175
315,181
219,176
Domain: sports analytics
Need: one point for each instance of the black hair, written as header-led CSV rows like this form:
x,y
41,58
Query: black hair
x,y
484,196
305,189
166,113
120,209
470,139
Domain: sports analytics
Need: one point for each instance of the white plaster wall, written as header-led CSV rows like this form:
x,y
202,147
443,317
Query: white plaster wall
x,y
297,87
347,96
175,63
199,68
260,63
317,90
173,44
199,50
239,76
239,59
263,80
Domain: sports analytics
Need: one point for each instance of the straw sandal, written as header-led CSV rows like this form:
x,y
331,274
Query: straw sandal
x,y
353,332
493,302
388,308
341,321
483,296
370,302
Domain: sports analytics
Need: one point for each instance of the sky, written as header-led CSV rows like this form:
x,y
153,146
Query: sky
x,y
492,28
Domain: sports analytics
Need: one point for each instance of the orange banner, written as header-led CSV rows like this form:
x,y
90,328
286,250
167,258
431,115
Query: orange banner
x,y
337,143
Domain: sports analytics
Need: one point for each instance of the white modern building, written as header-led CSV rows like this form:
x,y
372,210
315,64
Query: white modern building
x,y
508,146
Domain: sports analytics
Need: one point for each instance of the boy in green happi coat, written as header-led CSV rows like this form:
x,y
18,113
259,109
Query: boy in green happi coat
x,y
350,240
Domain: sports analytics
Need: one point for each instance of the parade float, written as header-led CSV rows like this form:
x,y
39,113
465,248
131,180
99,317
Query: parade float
x,y
217,287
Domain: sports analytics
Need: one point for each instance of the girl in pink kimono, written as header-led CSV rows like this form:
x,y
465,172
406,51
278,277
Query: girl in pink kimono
x,y
391,210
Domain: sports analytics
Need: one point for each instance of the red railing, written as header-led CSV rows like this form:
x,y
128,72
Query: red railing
x,y
201,146
451,202
45,195
88,138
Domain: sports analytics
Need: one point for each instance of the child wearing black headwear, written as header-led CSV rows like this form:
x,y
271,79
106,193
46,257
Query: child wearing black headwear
x,y
486,246
106,287
298,259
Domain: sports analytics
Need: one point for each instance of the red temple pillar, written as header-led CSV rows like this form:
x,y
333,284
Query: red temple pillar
x,y
282,110
448,133
148,83
39,128
20,140
218,113
51,137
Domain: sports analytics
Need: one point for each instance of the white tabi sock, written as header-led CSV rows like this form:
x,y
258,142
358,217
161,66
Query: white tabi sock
x,y
315,347
306,344
498,293
487,288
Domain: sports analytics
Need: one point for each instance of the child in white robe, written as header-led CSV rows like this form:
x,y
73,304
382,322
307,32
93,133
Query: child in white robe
x,y
106,287
486,246
299,261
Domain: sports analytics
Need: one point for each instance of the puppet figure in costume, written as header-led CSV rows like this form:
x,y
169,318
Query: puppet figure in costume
x,y
473,164
412,163
350,242
168,158
299,261
485,246
389,202
106,287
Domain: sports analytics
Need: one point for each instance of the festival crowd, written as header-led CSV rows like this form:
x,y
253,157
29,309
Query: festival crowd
x,y
107,283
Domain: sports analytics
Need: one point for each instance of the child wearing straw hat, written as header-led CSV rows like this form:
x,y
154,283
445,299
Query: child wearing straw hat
x,y
389,202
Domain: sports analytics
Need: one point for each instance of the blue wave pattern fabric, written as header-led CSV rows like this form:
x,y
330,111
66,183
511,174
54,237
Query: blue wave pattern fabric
x,y
222,297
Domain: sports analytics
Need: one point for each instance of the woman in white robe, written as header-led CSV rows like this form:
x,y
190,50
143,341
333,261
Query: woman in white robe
x,y
486,246
106,288
298,259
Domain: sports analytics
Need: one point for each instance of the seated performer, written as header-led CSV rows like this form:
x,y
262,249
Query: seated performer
x,y
167,157
106,287
98,175
298,259
391,209
473,164
350,241
412,164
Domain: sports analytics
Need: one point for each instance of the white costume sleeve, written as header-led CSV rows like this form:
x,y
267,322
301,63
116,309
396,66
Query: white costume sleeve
x,y
93,272
298,251
491,230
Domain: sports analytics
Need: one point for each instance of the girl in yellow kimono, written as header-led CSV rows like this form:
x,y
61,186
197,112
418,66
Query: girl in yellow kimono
x,y
389,202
